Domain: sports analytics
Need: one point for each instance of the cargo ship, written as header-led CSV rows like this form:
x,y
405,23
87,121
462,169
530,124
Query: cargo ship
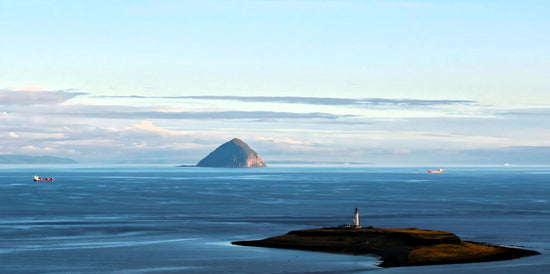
x,y
436,171
38,179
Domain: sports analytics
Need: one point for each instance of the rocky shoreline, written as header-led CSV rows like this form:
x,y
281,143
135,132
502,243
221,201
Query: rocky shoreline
x,y
395,246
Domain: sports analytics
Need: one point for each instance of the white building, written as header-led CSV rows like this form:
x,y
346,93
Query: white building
x,y
356,220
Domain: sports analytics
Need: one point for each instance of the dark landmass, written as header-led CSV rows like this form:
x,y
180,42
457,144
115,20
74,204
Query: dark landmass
x,y
26,159
234,153
396,247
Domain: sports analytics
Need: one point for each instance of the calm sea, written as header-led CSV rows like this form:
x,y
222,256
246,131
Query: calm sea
x,y
163,219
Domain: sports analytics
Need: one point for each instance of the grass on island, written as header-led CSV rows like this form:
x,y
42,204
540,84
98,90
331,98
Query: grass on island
x,y
417,232
414,231
442,252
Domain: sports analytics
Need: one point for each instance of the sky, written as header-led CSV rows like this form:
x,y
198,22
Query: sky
x,y
370,81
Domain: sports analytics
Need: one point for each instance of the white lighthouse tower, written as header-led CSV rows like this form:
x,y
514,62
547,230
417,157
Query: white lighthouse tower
x,y
356,220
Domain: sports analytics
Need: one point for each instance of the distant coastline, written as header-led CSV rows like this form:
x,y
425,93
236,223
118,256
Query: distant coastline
x,y
317,163
27,159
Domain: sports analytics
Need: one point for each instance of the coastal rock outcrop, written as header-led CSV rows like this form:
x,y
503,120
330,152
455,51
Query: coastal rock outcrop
x,y
234,153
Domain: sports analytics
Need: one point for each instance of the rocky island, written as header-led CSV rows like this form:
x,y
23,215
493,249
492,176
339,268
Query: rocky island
x,y
395,246
235,153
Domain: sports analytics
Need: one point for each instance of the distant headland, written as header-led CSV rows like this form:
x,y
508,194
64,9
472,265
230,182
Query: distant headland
x,y
395,246
27,159
232,154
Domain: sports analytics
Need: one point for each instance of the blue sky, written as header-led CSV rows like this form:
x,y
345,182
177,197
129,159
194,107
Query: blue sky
x,y
390,82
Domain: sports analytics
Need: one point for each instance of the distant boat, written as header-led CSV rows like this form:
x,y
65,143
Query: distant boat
x,y
435,171
38,179
507,164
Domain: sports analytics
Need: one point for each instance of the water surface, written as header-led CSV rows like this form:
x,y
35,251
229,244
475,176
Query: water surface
x,y
162,219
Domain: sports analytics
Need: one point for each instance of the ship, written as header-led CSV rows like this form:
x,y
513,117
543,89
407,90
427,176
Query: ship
x,y
435,171
47,179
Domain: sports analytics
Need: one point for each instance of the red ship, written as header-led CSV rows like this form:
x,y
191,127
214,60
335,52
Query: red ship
x,y
38,179
436,171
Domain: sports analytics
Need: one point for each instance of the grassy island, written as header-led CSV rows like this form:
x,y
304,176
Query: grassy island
x,y
396,247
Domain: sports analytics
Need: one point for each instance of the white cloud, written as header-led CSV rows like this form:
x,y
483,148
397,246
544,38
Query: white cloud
x,y
147,126
44,135
29,88
147,130
13,134
31,148
287,141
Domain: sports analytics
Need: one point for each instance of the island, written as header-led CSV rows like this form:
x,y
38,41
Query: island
x,y
395,246
233,154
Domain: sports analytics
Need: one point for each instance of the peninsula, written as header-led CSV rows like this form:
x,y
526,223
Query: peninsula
x,y
235,153
395,246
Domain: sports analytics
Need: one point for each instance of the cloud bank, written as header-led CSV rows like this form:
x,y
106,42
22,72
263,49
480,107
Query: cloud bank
x,y
197,115
365,102
181,129
35,96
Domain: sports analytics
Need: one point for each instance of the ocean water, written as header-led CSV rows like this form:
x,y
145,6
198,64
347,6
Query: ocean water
x,y
163,219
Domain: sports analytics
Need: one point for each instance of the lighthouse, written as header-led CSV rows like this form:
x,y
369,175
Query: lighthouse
x,y
356,220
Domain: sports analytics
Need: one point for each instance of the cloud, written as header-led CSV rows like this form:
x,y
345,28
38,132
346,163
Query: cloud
x,y
285,141
135,113
528,112
29,88
36,96
147,127
542,149
327,101
31,148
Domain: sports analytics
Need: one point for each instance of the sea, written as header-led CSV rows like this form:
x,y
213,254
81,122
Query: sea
x,y
167,219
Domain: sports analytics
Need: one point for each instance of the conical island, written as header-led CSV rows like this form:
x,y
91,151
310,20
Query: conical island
x,y
234,153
